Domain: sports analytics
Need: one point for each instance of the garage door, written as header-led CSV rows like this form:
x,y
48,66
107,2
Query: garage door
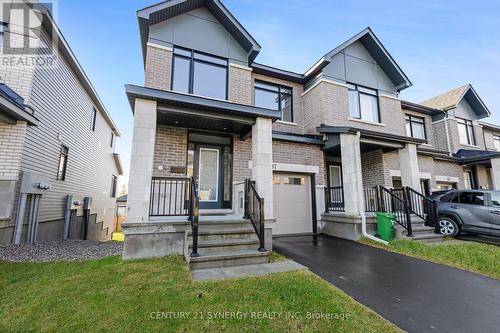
x,y
292,204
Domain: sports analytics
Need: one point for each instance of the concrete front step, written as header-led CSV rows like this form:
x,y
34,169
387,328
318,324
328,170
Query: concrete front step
x,y
221,245
228,258
223,233
233,223
428,238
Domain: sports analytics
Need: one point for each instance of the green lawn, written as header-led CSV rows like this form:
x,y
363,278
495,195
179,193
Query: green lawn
x,y
474,257
122,296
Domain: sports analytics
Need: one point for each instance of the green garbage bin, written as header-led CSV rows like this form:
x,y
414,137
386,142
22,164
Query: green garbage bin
x,y
385,226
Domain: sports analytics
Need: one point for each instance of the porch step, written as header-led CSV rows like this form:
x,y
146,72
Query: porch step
x,y
228,258
421,233
209,224
218,233
222,245
428,238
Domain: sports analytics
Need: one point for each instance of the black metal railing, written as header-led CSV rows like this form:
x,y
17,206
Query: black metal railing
x,y
169,196
395,202
372,199
423,207
254,211
334,199
194,214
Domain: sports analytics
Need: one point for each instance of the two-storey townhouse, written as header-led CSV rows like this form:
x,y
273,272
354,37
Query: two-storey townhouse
x,y
315,145
57,139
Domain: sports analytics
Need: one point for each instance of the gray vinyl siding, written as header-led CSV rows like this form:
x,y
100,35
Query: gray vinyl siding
x,y
65,112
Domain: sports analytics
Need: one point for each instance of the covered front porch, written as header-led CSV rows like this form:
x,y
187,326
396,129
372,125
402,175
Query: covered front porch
x,y
190,159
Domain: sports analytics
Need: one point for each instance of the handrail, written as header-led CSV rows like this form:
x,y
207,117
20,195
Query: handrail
x,y
254,211
423,207
194,214
392,202
169,196
334,199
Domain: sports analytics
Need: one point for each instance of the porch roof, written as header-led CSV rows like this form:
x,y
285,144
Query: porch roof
x,y
471,157
368,134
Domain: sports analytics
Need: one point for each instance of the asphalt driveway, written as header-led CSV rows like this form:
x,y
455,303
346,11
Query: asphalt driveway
x,y
416,295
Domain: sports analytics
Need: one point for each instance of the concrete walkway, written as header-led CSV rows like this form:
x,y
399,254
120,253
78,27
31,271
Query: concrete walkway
x,y
246,270
416,295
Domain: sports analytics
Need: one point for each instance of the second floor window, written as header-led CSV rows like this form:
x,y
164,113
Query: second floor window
x,y
199,74
496,142
274,97
363,103
415,127
94,118
466,132
63,163
114,182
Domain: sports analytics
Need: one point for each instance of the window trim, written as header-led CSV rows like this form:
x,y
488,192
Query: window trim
x,y
467,124
192,61
411,119
357,86
64,151
279,92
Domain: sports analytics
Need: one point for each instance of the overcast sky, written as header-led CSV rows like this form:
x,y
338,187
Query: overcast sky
x,y
439,44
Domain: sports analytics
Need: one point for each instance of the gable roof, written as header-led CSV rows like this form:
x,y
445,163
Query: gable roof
x,y
373,45
170,8
450,100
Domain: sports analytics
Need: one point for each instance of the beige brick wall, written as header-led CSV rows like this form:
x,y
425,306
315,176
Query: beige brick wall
x,y
242,155
483,177
158,72
297,153
240,85
170,150
439,133
373,169
12,138
488,138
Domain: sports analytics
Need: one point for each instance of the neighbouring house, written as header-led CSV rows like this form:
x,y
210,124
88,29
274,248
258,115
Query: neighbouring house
x,y
121,212
58,169
220,140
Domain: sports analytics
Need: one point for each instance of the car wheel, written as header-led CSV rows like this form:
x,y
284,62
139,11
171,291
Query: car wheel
x,y
448,227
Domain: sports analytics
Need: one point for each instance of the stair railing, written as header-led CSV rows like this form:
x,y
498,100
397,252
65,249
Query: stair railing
x,y
396,202
423,207
194,214
254,211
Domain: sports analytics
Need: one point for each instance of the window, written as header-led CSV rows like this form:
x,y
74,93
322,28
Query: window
x,y
63,163
415,127
495,199
466,132
363,103
199,74
114,181
293,180
274,97
472,198
112,140
94,117
496,142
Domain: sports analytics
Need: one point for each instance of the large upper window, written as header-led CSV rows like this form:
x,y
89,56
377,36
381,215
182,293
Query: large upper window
x,y
363,103
415,127
496,142
199,74
466,132
274,97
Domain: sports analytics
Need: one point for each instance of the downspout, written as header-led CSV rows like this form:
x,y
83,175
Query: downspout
x,y
362,201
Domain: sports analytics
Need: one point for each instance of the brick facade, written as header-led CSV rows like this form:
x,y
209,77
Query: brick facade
x,y
12,138
170,150
242,155
373,169
158,71
240,84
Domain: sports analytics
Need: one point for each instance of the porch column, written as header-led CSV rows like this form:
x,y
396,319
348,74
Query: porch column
x,y
352,178
141,161
495,173
262,159
408,162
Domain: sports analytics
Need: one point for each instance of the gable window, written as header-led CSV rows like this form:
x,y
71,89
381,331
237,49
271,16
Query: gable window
x,y
114,181
363,103
466,132
496,142
63,163
94,117
275,97
199,74
415,127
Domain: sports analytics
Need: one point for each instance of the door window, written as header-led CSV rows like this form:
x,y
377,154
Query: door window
x,y
209,174
335,176
472,198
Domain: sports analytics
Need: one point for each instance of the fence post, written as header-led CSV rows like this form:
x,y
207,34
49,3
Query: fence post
x,y
326,199
262,245
196,214
407,214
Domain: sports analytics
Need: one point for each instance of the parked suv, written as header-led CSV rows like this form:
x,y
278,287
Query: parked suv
x,y
471,211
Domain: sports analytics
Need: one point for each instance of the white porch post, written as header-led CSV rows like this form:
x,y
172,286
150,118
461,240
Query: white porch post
x,y
141,161
352,177
408,161
495,173
262,159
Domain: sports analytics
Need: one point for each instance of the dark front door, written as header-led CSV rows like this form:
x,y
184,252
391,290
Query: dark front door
x,y
208,168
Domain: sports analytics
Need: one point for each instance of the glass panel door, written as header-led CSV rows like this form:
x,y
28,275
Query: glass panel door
x,y
209,174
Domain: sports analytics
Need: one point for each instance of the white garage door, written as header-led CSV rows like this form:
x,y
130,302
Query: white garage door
x,y
292,204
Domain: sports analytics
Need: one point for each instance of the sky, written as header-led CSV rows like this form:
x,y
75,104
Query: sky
x,y
439,44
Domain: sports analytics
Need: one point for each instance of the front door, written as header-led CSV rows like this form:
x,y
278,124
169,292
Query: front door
x,y
209,171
